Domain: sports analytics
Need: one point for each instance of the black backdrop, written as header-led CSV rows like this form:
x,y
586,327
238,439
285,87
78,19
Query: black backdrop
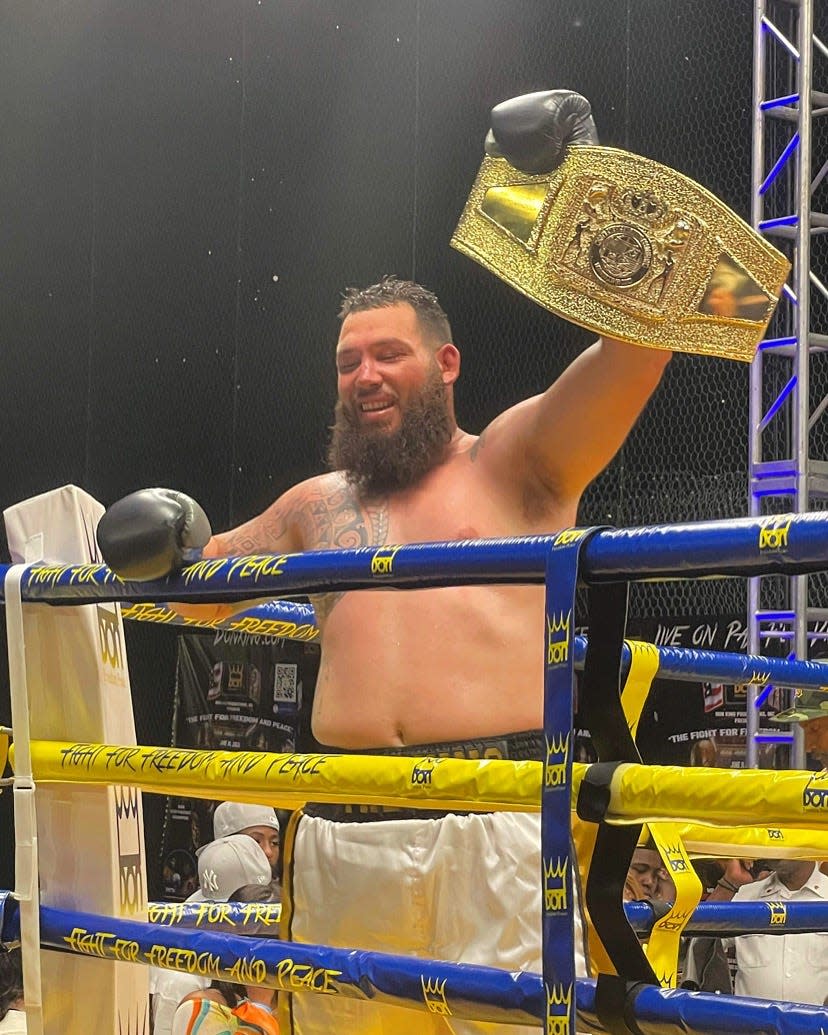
x,y
187,185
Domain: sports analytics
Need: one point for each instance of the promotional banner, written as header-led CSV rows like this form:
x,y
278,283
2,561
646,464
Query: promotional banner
x,y
234,691
703,724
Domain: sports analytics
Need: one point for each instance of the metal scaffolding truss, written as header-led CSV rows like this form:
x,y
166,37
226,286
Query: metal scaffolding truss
x,y
784,475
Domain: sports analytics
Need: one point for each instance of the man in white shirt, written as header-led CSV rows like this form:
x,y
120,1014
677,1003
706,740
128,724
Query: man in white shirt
x,y
792,967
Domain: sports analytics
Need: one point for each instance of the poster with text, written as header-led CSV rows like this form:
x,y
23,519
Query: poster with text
x,y
234,692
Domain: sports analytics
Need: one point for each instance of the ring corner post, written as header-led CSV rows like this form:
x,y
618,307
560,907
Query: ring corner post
x,y
78,689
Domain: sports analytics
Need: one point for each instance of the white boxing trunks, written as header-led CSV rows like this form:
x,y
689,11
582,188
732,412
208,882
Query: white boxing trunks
x,y
461,887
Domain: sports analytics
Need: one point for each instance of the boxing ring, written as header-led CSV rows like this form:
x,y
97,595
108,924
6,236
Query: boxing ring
x,y
605,803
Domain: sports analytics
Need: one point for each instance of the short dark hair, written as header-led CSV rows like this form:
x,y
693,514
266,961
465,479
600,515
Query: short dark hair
x,y
390,291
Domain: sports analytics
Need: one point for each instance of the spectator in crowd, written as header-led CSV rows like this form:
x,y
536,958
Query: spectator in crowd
x,y
791,967
257,821
810,710
224,865
709,872
12,1010
788,966
730,875
647,878
706,967
704,753
633,889
816,738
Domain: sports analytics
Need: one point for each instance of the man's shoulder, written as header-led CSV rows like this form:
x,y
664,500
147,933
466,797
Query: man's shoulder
x,y
305,493
330,481
328,513
756,889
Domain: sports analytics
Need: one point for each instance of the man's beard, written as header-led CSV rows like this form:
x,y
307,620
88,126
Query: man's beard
x,y
378,462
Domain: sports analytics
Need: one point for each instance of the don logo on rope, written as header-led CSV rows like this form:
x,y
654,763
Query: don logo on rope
x,y
558,629
557,753
773,534
382,563
778,914
422,771
554,885
434,994
815,795
557,1010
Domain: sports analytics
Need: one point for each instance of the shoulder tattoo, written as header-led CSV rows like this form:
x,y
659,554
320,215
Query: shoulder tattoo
x,y
327,517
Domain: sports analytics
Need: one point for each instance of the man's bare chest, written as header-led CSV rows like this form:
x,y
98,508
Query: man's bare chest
x,y
438,510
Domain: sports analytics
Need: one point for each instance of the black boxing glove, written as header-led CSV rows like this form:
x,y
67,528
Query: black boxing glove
x,y
151,533
532,132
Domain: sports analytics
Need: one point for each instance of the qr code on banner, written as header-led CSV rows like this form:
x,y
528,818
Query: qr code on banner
x,y
285,683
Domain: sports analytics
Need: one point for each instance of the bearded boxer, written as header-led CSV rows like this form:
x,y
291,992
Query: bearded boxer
x,y
455,670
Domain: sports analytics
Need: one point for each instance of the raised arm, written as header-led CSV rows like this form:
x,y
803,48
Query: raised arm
x,y
614,241
559,441
572,431
554,444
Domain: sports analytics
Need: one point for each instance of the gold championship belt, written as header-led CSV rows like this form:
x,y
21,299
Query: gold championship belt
x,y
628,248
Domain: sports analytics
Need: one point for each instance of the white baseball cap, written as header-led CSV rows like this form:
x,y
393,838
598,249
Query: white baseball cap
x,y
231,817
228,863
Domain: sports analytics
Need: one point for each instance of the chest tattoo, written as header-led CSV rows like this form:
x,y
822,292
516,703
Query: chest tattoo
x,y
337,520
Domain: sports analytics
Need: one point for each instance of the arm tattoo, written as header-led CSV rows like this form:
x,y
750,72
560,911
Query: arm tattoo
x,y
273,524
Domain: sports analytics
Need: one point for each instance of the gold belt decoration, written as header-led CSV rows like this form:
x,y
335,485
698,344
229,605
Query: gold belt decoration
x,y
628,248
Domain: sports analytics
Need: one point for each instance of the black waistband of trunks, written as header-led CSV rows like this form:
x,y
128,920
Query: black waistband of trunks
x,y
527,746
